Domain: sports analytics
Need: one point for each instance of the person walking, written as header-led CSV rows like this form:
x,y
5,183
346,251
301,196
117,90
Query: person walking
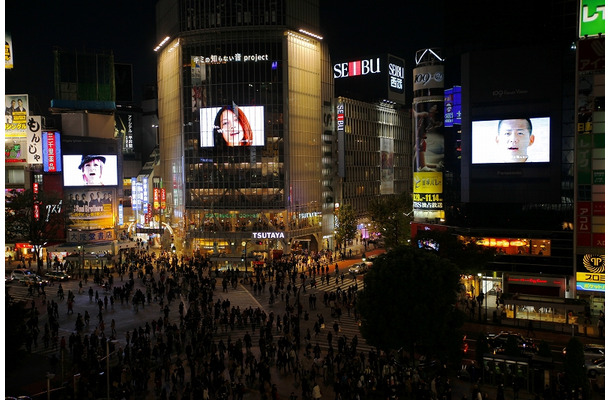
x,y
316,392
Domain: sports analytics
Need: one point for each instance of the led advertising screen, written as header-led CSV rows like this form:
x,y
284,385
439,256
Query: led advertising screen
x,y
90,170
232,126
510,141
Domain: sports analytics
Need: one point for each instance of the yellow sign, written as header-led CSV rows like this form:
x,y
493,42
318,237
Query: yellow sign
x,y
428,182
589,277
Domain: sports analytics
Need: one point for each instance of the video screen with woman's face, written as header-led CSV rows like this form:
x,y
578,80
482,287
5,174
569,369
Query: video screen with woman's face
x,y
511,140
90,170
232,125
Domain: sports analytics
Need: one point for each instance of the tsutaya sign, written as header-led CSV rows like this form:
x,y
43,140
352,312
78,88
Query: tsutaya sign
x,y
357,68
268,235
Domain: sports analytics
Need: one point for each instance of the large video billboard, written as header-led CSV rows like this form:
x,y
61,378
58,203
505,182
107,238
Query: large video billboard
x,y
511,133
511,140
232,126
90,170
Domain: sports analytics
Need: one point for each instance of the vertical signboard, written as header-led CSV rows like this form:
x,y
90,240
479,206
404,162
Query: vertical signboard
x,y
453,106
341,139
51,152
34,140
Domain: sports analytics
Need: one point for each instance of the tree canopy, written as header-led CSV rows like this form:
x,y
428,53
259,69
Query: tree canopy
x,y
22,224
466,255
390,217
409,301
346,223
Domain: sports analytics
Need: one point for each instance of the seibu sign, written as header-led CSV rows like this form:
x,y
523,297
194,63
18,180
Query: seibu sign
x,y
357,68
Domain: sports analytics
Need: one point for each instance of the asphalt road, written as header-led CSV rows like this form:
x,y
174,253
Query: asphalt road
x,y
29,375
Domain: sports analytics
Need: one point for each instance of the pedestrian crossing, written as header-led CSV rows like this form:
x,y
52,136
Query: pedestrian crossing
x,y
348,325
20,292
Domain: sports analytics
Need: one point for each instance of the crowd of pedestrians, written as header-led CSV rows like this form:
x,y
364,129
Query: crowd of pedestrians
x,y
215,350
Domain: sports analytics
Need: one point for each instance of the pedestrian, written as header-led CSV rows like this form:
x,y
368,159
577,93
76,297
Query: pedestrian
x,y
316,392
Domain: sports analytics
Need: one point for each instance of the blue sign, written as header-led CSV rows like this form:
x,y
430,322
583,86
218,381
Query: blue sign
x,y
591,286
453,106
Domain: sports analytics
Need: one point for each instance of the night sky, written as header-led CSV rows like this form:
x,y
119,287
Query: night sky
x,y
127,27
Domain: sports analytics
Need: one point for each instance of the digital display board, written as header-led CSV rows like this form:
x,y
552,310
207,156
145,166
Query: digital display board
x,y
511,141
232,126
90,170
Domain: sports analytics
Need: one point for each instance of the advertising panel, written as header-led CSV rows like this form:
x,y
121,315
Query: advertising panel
x,y
592,18
430,142
386,150
51,152
511,141
90,209
373,78
34,140
396,74
16,115
453,106
429,77
90,170
232,125
591,272
427,190
8,51
14,150
94,236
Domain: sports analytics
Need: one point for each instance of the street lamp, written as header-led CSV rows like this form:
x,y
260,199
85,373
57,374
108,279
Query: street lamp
x,y
479,298
49,377
108,365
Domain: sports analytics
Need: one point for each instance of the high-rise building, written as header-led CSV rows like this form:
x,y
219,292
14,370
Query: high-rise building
x,y
241,94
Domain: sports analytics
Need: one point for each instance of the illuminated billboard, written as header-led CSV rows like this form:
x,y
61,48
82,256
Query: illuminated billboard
x,y
90,208
232,126
515,140
591,272
8,51
430,141
371,78
592,18
51,152
90,170
15,115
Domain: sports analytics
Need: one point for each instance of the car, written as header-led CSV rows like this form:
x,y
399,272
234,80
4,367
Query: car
x,y
498,343
57,276
360,268
596,368
8,279
34,280
20,273
592,351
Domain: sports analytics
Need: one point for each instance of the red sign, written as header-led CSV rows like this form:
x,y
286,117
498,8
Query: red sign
x,y
36,211
51,151
156,196
163,199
